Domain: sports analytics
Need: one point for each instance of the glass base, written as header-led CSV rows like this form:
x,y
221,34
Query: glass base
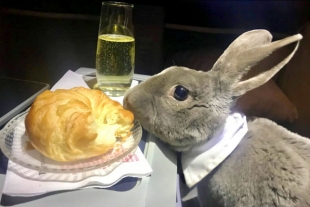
x,y
112,91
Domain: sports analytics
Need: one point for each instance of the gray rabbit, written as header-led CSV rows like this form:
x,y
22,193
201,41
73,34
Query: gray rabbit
x,y
185,108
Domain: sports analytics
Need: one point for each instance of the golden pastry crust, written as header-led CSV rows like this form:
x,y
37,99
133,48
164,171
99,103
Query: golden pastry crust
x,y
75,124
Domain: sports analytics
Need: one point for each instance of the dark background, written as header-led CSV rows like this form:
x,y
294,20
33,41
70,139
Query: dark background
x,y
41,40
276,15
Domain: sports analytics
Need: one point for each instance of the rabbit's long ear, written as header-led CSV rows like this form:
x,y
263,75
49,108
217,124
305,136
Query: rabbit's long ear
x,y
247,85
236,60
245,52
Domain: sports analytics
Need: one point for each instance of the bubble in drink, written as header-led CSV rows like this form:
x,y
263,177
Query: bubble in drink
x,y
115,60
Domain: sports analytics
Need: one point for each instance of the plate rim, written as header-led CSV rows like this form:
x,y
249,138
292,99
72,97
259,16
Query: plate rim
x,y
8,154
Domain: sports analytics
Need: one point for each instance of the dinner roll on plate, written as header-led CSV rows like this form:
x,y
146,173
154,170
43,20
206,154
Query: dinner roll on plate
x,y
74,124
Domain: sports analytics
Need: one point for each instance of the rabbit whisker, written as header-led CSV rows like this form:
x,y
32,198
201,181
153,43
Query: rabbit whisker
x,y
154,118
194,106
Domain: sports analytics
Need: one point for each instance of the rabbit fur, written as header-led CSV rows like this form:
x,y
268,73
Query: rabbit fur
x,y
269,167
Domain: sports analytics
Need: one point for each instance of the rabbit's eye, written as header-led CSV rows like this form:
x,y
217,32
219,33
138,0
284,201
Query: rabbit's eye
x,y
180,93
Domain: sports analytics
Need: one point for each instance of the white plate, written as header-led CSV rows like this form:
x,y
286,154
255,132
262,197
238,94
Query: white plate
x,y
14,141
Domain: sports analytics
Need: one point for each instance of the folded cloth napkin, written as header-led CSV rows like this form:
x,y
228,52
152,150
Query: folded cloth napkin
x,y
21,181
200,160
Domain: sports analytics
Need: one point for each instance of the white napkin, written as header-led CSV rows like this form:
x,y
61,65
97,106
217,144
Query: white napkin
x,y
16,185
22,183
200,160
69,80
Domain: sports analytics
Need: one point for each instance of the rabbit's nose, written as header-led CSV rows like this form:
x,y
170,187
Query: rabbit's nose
x,y
125,102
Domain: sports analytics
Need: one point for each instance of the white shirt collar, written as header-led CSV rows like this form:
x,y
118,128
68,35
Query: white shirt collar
x,y
200,160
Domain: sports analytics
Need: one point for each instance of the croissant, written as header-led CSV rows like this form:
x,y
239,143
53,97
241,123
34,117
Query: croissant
x,y
74,124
